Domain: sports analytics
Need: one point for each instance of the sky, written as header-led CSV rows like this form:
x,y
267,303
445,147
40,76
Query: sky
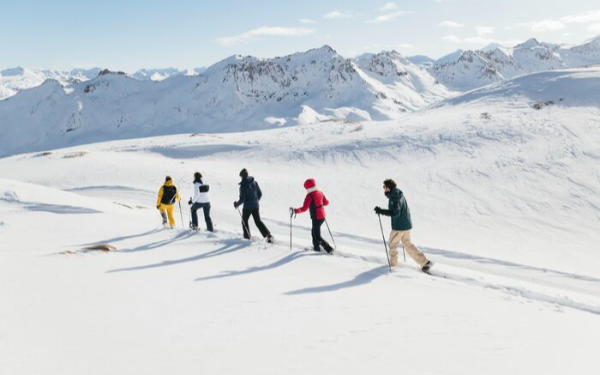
x,y
132,34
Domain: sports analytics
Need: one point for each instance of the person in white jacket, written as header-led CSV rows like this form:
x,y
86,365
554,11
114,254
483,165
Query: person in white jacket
x,y
200,200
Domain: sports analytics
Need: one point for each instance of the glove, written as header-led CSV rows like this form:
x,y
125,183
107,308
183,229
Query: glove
x,y
190,202
235,205
158,207
292,212
378,210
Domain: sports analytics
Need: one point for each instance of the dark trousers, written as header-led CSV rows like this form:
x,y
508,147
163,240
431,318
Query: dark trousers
x,y
317,240
259,224
206,208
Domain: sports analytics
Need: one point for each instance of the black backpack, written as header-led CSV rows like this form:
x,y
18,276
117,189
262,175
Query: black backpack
x,y
203,188
169,193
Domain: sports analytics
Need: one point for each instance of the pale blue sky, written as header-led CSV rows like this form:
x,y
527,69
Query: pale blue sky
x,y
131,34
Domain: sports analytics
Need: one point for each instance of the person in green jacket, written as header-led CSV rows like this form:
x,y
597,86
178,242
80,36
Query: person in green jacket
x,y
401,226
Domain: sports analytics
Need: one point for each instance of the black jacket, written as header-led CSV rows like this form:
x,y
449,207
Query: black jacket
x,y
250,194
398,210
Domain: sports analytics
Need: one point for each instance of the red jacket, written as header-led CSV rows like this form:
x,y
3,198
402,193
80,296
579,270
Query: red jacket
x,y
315,201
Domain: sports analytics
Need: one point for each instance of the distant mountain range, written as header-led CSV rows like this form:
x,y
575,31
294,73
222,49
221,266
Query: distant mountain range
x,y
17,79
467,70
49,109
236,94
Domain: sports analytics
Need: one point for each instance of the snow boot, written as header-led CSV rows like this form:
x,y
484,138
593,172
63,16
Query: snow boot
x,y
427,267
330,250
270,239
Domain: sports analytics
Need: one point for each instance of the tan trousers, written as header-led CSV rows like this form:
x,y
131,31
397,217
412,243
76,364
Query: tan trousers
x,y
397,236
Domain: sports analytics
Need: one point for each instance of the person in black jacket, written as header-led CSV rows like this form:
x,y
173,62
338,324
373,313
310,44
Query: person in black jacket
x,y
250,195
401,226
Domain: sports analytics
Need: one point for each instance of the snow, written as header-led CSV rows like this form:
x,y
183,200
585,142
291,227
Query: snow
x,y
422,61
16,79
504,198
503,183
450,58
157,74
238,93
468,70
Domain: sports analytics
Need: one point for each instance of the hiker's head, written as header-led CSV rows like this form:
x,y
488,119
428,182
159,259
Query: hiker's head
x,y
168,178
243,173
388,185
197,176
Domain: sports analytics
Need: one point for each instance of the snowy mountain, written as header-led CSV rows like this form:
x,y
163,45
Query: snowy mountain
x,y
16,79
555,89
161,74
422,61
495,63
504,196
450,58
238,93
587,53
471,70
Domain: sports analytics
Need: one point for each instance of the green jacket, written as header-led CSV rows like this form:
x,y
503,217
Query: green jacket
x,y
398,210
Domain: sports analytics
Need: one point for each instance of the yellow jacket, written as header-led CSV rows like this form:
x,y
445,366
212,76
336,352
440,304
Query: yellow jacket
x,y
162,191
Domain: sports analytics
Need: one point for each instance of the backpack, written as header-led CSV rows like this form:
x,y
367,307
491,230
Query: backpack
x,y
169,193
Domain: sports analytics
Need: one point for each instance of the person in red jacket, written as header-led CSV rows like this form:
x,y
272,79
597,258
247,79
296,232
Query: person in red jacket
x,y
315,201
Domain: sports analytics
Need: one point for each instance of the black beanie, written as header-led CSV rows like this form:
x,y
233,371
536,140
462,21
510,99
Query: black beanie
x,y
168,178
243,173
197,176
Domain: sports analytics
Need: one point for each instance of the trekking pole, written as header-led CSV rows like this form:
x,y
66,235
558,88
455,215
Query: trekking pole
x,y
244,224
384,243
332,239
291,214
181,213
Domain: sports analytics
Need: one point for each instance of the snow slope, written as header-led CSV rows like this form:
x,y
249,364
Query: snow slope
x,y
17,79
472,69
503,183
505,203
239,93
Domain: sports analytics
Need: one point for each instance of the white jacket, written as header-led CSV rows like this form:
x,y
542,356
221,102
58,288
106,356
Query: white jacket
x,y
198,196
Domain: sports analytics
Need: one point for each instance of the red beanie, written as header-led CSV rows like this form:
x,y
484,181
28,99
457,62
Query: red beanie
x,y
310,183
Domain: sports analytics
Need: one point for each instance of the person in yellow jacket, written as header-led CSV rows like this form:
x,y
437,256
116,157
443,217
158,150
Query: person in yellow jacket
x,y
167,195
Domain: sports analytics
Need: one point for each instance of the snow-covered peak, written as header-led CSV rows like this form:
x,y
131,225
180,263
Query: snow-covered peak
x,y
450,58
16,79
492,47
591,46
364,56
422,60
529,43
157,74
17,71
471,70
239,93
